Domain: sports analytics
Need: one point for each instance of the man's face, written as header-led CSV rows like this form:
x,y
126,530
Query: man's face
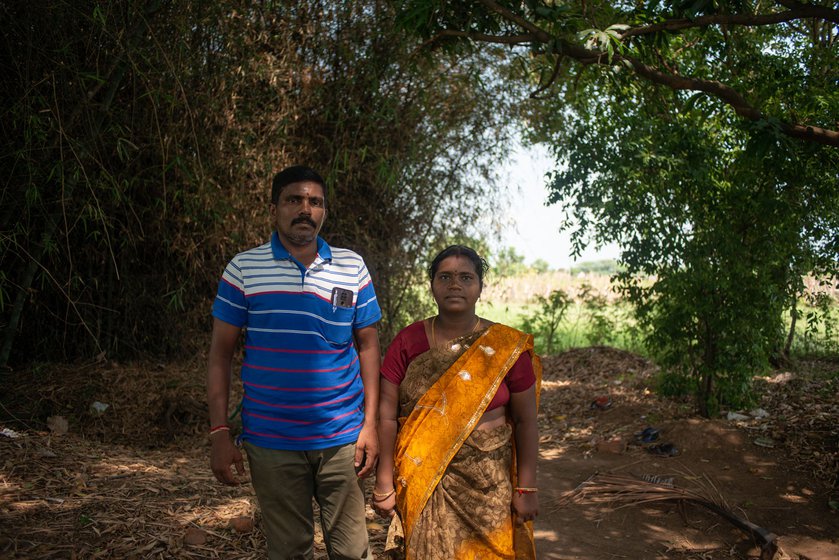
x,y
299,213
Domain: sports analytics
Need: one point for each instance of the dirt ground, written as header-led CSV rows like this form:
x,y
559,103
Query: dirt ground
x,y
132,481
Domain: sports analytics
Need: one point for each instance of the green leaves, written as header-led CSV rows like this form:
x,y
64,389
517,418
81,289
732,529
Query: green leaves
x,y
711,219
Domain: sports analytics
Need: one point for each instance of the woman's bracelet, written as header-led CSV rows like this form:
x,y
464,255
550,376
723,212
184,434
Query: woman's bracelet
x,y
525,490
378,496
219,428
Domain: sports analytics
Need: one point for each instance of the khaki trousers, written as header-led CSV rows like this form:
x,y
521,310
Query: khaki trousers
x,y
285,483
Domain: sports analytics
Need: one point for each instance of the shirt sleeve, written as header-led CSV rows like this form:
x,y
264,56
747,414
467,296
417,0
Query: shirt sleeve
x,y
230,305
367,310
521,377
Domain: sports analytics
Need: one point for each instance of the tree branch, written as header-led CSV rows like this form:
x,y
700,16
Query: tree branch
x,y
733,98
542,35
801,11
483,37
535,94
717,89
822,12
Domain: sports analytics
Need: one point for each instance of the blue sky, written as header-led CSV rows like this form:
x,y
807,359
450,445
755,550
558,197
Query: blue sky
x,y
534,227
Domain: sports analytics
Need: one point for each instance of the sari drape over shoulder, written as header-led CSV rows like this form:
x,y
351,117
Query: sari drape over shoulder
x,y
454,482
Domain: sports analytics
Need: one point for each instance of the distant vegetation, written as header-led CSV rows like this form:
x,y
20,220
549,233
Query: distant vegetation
x,y
606,266
507,262
564,310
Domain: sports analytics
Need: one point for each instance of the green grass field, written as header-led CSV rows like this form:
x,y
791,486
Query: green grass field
x,y
512,301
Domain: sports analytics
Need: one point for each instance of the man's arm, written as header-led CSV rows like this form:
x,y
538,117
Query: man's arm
x,y
223,453
369,357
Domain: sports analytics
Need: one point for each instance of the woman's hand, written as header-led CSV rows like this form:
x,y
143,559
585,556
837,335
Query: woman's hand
x,y
525,507
384,502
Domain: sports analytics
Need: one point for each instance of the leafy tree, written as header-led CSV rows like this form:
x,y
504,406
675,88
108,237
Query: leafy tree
x,y
700,137
508,262
540,266
726,229
742,48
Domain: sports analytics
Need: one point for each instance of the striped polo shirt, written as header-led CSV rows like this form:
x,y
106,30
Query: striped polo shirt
x,y
301,375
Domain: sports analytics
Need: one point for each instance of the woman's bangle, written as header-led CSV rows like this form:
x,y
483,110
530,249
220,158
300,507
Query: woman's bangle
x,y
525,490
219,428
378,497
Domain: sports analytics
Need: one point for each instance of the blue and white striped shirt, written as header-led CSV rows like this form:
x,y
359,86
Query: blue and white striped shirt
x,y
301,374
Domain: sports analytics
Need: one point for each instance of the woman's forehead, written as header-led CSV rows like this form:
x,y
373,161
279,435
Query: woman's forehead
x,y
456,263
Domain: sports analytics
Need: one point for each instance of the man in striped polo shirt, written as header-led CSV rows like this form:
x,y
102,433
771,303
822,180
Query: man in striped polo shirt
x,y
310,376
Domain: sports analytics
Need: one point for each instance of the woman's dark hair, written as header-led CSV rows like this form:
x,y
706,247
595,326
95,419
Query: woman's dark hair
x,y
480,264
294,174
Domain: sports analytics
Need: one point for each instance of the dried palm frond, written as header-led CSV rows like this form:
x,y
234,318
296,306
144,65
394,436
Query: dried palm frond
x,y
627,490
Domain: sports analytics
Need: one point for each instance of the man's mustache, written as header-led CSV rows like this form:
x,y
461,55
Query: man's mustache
x,y
303,220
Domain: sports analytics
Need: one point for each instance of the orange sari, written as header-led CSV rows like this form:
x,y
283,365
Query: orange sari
x,y
453,483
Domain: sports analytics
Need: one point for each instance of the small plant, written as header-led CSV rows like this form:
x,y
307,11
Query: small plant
x,y
601,328
545,321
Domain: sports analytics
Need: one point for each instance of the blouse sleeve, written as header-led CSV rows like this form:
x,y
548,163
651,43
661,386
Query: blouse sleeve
x,y
521,377
396,360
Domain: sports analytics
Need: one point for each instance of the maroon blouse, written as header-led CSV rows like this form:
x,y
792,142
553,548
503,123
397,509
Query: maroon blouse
x,y
412,341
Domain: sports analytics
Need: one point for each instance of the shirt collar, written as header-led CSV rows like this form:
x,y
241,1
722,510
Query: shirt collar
x,y
281,253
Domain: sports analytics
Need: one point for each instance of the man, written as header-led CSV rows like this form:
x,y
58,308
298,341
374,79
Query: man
x,y
310,376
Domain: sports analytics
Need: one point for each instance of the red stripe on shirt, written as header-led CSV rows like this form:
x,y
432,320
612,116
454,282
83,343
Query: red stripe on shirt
x,y
288,292
302,406
303,422
300,389
234,286
284,370
290,351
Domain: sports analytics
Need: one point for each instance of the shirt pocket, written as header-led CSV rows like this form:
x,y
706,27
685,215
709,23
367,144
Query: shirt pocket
x,y
337,325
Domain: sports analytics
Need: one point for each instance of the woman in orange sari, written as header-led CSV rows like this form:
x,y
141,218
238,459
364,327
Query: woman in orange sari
x,y
457,428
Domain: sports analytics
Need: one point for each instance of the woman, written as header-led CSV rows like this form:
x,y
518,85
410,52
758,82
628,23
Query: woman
x,y
458,431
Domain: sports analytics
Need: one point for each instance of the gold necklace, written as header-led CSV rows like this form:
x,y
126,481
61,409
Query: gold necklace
x,y
434,336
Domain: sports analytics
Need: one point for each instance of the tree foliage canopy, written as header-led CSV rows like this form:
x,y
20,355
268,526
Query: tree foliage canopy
x,y
766,61
699,136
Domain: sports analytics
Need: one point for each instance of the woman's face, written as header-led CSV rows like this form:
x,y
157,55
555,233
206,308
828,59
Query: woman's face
x,y
456,285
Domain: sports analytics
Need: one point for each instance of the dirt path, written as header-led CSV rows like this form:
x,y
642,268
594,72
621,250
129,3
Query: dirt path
x,y
98,491
718,459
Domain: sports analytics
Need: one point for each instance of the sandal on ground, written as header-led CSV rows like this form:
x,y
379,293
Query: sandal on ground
x,y
664,450
647,435
601,403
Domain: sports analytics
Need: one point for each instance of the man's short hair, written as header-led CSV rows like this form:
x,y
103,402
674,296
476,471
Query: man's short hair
x,y
294,174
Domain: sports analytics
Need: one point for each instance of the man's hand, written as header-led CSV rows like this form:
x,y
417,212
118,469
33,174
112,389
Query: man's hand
x,y
224,454
366,451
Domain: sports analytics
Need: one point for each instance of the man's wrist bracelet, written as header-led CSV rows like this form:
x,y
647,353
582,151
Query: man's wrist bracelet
x,y
525,490
219,428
